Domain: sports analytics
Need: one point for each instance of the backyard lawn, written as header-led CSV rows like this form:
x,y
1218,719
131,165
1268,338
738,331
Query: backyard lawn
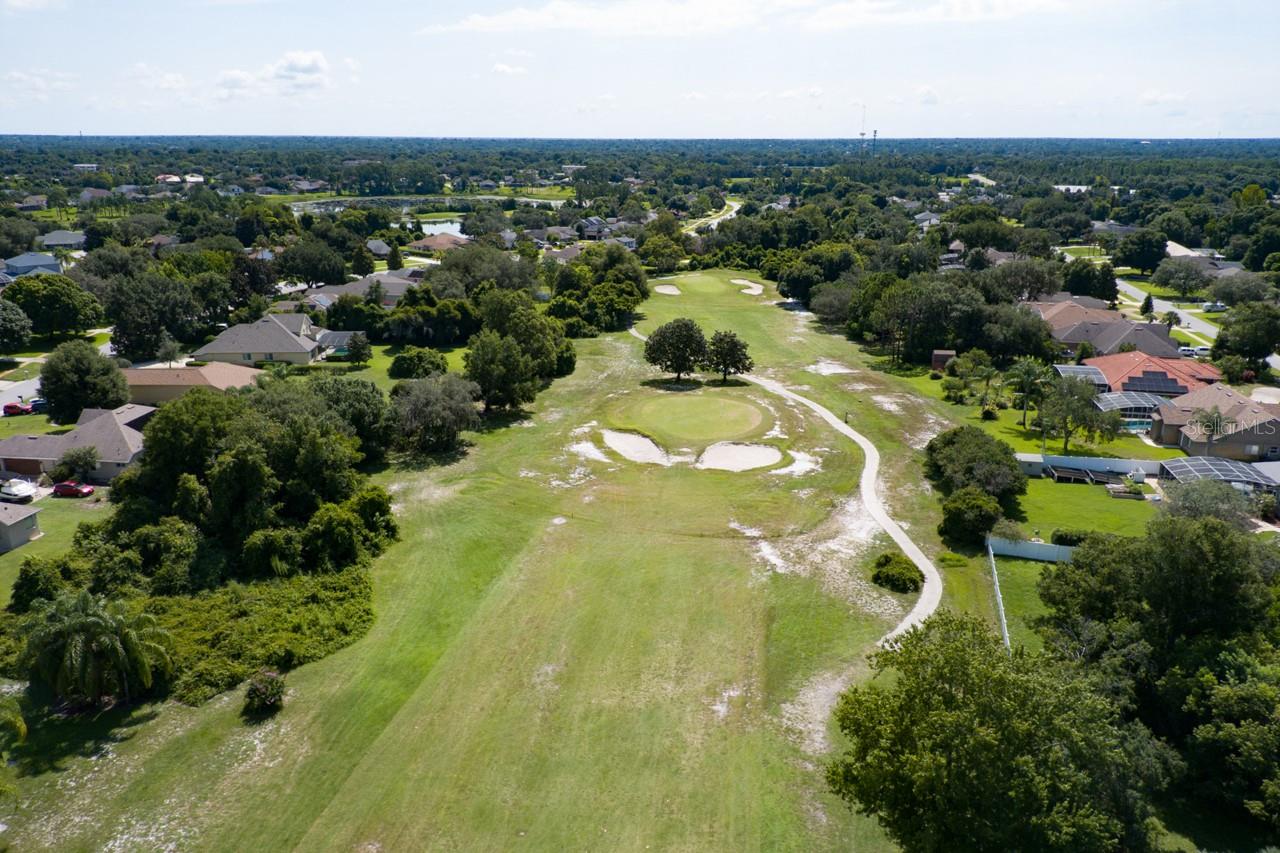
x,y
1049,506
58,519
1021,600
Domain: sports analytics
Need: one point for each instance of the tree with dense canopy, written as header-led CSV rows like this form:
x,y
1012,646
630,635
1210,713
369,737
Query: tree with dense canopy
x,y
727,354
55,304
1068,409
431,413
968,456
15,327
501,369
1143,250
359,351
1028,378
967,747
1181,275
76,377
677,347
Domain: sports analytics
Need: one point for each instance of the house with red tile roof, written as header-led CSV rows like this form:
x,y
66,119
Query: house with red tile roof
x,y
1168,377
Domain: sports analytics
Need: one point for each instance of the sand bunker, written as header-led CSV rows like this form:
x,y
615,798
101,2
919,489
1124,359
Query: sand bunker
x,y
666,289
802,463
635,447
888,402
751,288
731,456
588,450
824,367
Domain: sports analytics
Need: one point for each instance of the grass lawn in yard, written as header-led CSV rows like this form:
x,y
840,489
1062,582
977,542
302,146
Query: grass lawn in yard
x,y
11,425
1021,600
1048,506
1083,251
26,370
58,519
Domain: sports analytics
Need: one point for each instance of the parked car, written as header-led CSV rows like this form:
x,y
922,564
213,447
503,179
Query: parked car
x,y
1213,306
72,489
17,491
1204,352
39,405
1189,352
17,408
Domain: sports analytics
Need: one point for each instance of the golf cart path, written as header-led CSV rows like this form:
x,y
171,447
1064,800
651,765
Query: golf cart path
x,y
931,592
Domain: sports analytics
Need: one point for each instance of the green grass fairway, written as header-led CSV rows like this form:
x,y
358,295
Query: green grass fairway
x,y
677,418
568,652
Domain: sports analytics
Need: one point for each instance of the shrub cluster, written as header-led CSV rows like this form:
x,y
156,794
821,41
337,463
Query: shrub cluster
x,y
894,571
265,693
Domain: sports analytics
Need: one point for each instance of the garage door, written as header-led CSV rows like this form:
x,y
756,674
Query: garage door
x,y
30,467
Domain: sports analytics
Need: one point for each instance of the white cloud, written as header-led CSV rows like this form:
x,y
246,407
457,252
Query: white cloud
x,y
149,77
351,63
504,68
1156,97
30,5
519,52
674,18
666,18
858,13
296,72
926,95
694,96
34,85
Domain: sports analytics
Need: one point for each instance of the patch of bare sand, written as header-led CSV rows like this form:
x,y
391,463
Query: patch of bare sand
x,y
749,287
802,463
806,717
666,289
635,447
889,402
588,450
733,456
827,367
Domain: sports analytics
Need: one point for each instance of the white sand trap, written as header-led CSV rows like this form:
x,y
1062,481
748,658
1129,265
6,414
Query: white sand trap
x,y
559,520
666,289
635,447
824,367
731,456
802,463
588,450
751,288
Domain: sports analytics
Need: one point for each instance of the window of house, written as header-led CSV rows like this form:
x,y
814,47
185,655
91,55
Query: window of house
x,y
1251,449
246,356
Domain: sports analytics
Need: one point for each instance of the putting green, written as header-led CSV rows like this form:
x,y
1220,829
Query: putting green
x,y
677,419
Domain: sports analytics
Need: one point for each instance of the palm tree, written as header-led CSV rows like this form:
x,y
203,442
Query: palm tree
x,y
86,648
1170,319
1213,423
1028,378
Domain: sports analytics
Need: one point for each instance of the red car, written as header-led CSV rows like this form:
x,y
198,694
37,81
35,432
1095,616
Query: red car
x,y
17,408
72,489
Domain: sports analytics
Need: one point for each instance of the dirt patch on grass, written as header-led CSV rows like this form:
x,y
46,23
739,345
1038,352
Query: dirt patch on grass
x,y
806,717
666,289
588,450
826,367
801,463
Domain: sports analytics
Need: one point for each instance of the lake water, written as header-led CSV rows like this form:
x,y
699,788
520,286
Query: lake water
x,y
442,226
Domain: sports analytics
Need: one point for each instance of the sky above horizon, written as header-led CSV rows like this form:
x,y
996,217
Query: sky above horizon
x,y
642,68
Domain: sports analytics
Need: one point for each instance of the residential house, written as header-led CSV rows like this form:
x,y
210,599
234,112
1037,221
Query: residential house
x,y
307,186
152,386
266,191
1168,377
437,243
1114,228
927,219
276,337
18,525
34,202
30,263
508,238
378,248
115,433
85,167
565,255
1064,314
231,191
156,242
1118,335
593,228
626,242
1250,430
61,239
190,179
92,194
168,179
127,190
393,285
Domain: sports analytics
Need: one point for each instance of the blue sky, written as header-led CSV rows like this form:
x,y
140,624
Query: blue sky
x,y
624,68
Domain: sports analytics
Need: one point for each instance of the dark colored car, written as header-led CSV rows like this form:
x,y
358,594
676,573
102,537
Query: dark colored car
x,y
17,408
39,405
72,489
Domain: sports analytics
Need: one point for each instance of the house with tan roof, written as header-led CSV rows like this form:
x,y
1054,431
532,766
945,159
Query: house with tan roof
x,y
152,386
276,337
1168,377
1249,431
115,433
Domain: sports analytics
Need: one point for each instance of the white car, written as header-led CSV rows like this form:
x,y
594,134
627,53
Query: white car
x,y
1213,306
1204,352
1190,352
17,491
